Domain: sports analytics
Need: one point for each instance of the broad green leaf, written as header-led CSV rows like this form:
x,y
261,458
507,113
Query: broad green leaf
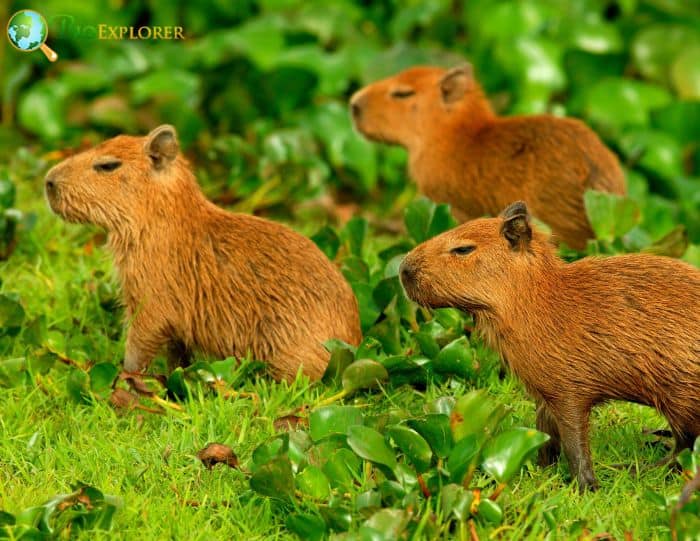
x,y
364,374
457,357
102,375
435,428
355,232
267,451
370,445
615,103
78,385
333,420
338,519
611,215
413,445
307,526
463,454
176,384
41,109
456,501
656,46
342,356
388,523
274,479
504,455
490,511
342,468
685,73
11,313
313,482
424,219
475,413
328,241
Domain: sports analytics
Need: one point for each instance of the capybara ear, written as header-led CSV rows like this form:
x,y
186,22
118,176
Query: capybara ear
x,y
162,146
455,82
516,225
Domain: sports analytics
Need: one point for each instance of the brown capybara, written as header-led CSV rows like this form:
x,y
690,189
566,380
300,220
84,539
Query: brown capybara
x,y
461,153
195,277
617,328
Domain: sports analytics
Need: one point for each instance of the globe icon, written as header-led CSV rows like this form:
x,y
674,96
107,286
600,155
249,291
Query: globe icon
x,y
27,31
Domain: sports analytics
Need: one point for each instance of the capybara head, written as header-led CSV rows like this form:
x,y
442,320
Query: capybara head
x,y
118,181
400,108
472,265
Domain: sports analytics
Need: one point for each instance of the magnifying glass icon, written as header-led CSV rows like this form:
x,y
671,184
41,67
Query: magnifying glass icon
x,y
27,31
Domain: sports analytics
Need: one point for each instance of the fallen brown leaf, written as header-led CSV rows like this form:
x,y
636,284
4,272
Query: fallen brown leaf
x,y
290,422
218,453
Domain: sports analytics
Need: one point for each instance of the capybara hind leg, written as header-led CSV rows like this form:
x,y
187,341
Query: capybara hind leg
x,y
313,362
549,452
573,431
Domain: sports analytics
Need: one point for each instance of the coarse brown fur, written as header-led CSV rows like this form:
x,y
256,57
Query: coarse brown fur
x,y
624,327
462,153
195,277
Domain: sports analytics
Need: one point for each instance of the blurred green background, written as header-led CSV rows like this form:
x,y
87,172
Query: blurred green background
x,y
258,90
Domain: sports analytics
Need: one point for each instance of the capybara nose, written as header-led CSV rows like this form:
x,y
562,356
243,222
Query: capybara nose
x,y
50,186
356,106
408,272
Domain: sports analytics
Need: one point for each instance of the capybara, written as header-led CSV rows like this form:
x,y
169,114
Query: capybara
x,y
194,276
577,334
460,152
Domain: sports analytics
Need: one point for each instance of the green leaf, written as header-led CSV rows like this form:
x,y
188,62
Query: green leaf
x,y
355,232
314,483
364,374
615,103
490,511
436,430
342,356
333,420
328,241
176,384
307,526
370,445
274,479
462,455
475,413
611,215
504,455
337,518
41,109
413,445
456,501
595,36
269,450
457,357
685,73
102,376
78,385
390,524
342,468
424,219
11,313
655,47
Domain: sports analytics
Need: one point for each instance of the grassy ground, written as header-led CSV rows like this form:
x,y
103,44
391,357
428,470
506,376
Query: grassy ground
x,y
47,442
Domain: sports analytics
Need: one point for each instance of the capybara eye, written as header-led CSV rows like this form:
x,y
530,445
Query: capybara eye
x,y
107,167
463,250
401,93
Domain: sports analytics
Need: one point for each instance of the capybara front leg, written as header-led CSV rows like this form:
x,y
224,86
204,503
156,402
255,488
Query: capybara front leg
x,y
546,422
141,347
573,431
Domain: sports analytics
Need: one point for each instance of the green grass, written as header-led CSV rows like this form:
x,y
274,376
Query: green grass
x,y
48,442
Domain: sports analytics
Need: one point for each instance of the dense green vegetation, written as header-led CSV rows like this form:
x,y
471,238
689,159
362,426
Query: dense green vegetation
x,y
415,434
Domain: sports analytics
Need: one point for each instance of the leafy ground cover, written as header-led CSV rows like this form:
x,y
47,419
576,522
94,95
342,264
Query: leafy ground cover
x,y
418,433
